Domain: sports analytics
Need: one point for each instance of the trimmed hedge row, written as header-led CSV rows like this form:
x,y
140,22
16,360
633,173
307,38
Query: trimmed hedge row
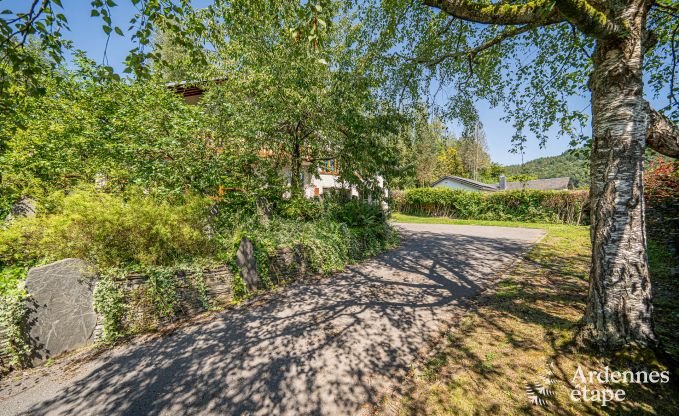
x,y
561,207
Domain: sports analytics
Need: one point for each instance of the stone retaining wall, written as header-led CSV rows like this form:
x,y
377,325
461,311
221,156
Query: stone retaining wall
x,y
190,301
197,292
5,357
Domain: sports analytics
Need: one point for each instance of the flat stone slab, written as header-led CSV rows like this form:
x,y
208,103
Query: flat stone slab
x,y
61,316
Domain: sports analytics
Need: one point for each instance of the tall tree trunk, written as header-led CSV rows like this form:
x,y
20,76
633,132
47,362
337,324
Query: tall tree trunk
x,y
296,185
619,303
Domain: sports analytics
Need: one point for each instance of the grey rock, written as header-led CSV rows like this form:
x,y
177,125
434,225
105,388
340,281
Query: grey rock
x,y
263,209
24,207
247,262
61,312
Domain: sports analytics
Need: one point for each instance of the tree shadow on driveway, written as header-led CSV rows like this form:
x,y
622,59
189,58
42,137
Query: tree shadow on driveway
x,y
329,346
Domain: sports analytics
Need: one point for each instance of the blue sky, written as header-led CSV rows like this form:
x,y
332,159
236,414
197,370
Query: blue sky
x,y
87,34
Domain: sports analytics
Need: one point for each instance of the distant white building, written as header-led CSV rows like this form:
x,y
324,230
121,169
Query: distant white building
x,y
327,181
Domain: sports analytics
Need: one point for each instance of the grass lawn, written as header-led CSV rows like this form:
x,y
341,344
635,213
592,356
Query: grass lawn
x,y
518,338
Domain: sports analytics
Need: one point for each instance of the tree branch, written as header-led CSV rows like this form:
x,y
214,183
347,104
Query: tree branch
x,y
662,134
509,33
667,8
533,12
589,20
471,53
29,19
536,12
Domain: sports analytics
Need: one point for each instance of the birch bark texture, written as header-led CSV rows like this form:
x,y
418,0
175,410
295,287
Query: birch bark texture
x,y
619,309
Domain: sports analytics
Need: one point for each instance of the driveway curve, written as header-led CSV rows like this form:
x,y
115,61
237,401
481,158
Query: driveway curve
x,y
329,346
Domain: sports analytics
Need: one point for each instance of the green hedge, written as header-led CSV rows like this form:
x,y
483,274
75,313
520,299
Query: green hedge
x,y
562,207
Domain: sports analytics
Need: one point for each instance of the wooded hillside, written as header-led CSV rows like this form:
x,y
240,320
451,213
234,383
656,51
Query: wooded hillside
x,y
571,163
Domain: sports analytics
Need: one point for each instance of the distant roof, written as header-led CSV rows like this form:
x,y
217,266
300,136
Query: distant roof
x,y
190,88
551,184
193,82
471,183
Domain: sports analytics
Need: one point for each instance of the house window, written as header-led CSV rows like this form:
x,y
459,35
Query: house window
x,y
329,167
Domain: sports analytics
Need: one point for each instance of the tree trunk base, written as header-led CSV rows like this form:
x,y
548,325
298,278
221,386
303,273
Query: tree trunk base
x,y
591,338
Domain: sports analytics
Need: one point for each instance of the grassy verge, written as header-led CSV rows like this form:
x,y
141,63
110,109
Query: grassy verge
x,y
515,344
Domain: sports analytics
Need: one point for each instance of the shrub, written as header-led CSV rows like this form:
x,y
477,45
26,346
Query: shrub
x,y
345,233
109,302
110,231
356,213
12,314
7,198
661,180
325,244
521,205
10,277
302,209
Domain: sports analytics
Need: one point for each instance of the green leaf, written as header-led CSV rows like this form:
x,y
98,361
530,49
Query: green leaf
x,y
118,31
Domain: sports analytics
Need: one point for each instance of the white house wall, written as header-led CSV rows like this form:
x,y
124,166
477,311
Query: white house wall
x,y
325,181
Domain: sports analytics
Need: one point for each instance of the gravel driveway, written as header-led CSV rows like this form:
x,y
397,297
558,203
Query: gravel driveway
x,y
329,346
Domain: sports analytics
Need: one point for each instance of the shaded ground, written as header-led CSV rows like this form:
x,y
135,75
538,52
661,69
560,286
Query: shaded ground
x,y
511,351
329,346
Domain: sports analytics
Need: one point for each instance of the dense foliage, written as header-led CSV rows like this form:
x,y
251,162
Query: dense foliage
x,y
563,207
121,233
128,176
133,231
116,133
284,103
